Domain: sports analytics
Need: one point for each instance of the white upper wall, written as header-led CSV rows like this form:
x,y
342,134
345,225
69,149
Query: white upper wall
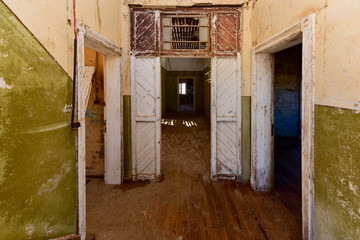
x,y
185,64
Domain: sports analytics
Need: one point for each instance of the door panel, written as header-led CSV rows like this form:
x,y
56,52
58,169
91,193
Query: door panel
x,y
146,109
226,122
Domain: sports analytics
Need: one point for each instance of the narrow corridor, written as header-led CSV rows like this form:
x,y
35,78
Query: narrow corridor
x,y
186,204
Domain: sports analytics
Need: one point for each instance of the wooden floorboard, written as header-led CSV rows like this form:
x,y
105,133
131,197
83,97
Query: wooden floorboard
x,y
187,205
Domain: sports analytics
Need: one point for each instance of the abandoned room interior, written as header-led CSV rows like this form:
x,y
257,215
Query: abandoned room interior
x,y
179,119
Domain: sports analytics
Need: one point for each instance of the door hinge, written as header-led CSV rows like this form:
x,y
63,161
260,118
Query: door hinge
x,y
105,126
272,129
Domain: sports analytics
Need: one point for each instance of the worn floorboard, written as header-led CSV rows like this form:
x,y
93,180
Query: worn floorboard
x,y
186,204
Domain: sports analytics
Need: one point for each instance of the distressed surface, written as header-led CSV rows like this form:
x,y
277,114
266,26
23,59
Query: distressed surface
x,y
245,137
337,173
94,121
37,147
144,32
187,204
226,33
146,115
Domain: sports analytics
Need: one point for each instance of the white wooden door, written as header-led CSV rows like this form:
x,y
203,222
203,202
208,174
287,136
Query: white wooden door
x,y
146,117
262,118
226,118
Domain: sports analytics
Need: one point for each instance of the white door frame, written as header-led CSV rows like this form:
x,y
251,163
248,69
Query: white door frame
x,y
112,114
194,91
262,148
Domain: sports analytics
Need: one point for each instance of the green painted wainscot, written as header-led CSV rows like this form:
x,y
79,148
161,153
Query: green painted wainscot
x,y
37,144
337,173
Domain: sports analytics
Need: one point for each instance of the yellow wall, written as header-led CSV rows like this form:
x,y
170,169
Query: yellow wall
x,y
337,34
51,22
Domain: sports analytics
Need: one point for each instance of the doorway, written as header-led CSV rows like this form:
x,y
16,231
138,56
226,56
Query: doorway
x,y
262,113
287,125
112,113
185,128
186,94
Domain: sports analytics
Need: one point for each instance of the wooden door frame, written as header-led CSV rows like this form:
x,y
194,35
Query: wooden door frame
x,y
262,151
112,114
194,91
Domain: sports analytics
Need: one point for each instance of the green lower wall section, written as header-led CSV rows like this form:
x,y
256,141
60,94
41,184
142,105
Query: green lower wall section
x,y
127,135
245,137
37,144
337,173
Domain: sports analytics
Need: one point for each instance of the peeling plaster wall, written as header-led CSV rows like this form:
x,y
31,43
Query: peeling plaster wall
x,y
336,36
337,173
337,87
37,146
51,22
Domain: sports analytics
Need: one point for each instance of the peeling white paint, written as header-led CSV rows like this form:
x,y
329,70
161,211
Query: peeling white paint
x,y
48,229
353,188
27,69
53,182
50,185
67,108
3,163
4,85
29,229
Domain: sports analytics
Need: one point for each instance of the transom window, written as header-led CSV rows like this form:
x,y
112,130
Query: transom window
x,y
186,33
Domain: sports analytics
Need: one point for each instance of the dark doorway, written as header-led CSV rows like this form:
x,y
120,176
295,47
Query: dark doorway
x,y
287,125
186,95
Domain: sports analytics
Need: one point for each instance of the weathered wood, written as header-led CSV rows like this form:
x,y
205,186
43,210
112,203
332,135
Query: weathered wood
x,y
113,113
226,32
307,130
302,31
98,42
81,133
228,122
262,157
187,204
146,117
213,115
113,119
144,32
89,73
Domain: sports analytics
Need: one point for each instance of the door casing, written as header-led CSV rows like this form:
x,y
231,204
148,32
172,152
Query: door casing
x,y
262,142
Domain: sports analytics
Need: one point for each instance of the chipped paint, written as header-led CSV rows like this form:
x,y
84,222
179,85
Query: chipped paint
x,y
337,173
4,85
37,143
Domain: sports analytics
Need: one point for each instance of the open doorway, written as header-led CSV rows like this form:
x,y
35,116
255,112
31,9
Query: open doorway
x,y
185,128
103,60
287,125
94,116
186,94
262,113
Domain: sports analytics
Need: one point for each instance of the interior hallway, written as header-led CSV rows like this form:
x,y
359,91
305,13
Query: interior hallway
x,y
186,204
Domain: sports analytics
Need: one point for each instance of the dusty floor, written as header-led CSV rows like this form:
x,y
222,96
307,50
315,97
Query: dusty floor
x,y
186,205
